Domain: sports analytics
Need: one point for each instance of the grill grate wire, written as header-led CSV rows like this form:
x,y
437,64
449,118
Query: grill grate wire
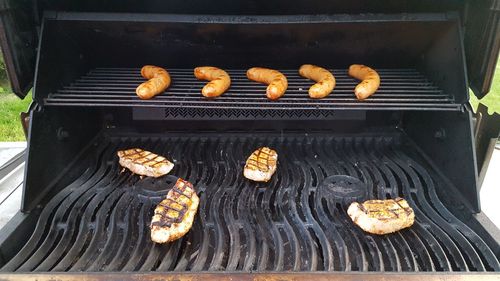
x,y
401,89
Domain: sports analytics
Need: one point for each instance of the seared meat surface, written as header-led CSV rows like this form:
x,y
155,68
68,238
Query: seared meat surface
x,y
261,164
174,216
382,216
144,163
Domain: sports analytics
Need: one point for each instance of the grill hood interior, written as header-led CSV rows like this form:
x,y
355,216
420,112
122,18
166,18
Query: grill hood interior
x,y
20,23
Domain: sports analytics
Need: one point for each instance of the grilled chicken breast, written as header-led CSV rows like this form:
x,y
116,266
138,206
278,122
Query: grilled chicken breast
x,y
144,163
174,215
261,165
382,216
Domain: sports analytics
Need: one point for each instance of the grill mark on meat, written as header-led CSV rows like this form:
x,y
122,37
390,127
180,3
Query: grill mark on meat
x,y
150,162
260,159
144,162
394,212
125,153
171,203
406,209
178,195
154,162
174,216
142,157
261,164
186,191
362,208
381,216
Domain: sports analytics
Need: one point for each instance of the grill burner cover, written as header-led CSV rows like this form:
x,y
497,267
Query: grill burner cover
x,y
343,188
154,187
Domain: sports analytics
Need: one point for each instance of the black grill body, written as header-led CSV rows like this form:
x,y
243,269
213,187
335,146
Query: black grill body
x,y
296,222
413,139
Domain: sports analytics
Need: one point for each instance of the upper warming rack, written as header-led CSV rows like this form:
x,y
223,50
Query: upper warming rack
x,y
400,89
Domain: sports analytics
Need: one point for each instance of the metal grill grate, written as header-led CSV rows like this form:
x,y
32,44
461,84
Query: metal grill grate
x,y
401,89
296,222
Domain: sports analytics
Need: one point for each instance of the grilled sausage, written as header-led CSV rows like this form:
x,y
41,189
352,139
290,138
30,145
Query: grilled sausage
x,y
174,216
382,216
158,82
325,80
370,80
219,80
276,80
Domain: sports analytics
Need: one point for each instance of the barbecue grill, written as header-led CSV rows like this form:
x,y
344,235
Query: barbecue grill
x,y
82,217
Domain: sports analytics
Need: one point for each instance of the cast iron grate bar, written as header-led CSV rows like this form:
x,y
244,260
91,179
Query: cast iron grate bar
x,y
296,222
404,89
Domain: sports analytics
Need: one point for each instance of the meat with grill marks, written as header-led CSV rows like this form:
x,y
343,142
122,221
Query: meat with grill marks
x,y
144,163
261,164
174,216
382,216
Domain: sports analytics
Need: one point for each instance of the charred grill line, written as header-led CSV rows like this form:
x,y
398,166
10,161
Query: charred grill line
x,y
144,158
169,214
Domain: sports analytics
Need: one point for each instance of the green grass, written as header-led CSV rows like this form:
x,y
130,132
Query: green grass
x,y
10,124
492,100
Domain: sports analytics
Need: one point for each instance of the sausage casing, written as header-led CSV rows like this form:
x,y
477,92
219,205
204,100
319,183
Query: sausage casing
x,y
325,82
370,80
158,82
219,80
277,83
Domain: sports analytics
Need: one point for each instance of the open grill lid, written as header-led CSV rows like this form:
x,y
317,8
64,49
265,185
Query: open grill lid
x,y
482,43
19,26
18,41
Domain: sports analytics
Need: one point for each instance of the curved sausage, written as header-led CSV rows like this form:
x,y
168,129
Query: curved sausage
x,y
324,78
219,80
370,83
158,82
276,80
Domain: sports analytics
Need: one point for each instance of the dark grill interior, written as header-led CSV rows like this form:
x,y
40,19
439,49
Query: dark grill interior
x,y
401,89
296,222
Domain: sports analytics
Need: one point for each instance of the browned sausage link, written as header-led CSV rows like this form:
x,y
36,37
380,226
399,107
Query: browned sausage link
x,y
370,80
325,80
158,82
219,80
276,80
